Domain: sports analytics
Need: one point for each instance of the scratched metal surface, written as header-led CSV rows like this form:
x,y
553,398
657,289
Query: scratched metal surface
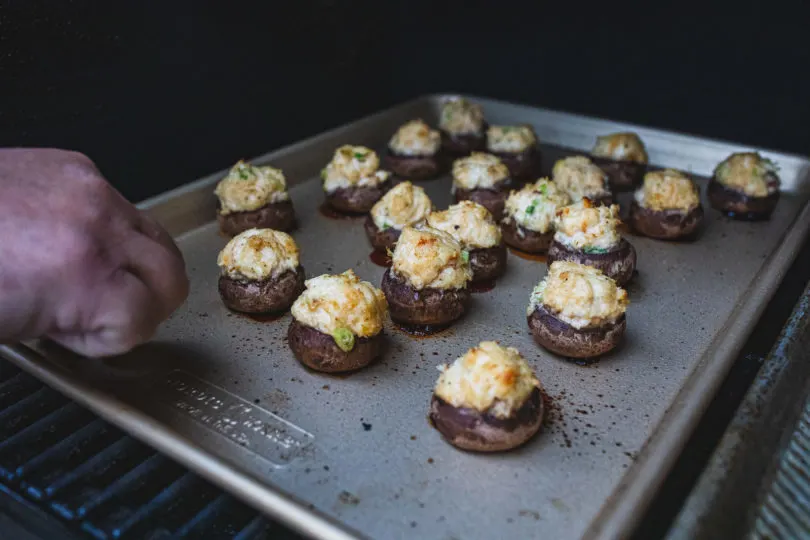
x,y
223,394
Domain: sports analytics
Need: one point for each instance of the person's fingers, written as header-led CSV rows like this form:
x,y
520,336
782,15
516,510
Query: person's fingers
x,y
160,268
151,228
125,316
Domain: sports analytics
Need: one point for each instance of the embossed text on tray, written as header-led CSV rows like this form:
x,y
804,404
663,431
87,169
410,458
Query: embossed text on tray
x,y
244,423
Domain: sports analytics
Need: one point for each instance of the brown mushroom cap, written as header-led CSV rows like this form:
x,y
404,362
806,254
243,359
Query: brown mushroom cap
x,y
462,144
617,264
415,167
422,307
665,224
622,175
524,239
738,205
470,429
523,166
319,351
279,216
357,199
265,296
381,239
488,263
561,338
493,199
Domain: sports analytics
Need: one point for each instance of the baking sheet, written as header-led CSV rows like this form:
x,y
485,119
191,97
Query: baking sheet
x,y
343,457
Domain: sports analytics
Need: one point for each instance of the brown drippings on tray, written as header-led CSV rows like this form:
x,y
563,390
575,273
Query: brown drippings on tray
x,y
482,286
537,257
331,213
421,330
264,317
380,257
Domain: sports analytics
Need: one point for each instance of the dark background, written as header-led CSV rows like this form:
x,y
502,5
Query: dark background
x,y
161,93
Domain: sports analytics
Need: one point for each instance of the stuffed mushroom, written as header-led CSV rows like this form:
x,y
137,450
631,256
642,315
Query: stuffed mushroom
x,y
406,204
353,181
580,178
427,281
589,234
482,178
260,272
462,127
528,222
667,206
488,400
337,323
473,227
253,197
415,151
516,146
577,311
623,157
745,186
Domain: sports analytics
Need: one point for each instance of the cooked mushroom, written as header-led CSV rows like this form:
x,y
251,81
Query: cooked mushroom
x,y
528,222
337,323
260,272
488,400
406,204
580,178
462,127
473,227
667,206
415,151
623,157
589,234
577,311
352,181
516,146
482,178
427,281
745,186
253,197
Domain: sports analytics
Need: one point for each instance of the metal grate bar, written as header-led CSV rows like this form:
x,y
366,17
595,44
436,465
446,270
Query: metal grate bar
x,y
40,435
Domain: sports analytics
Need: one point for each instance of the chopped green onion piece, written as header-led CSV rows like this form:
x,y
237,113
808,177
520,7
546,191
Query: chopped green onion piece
x,y
323,174
344,338
530,209
465,256
543,189
385,225
359,156
592,250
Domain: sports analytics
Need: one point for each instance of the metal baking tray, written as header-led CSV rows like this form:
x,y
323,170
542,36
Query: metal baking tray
x,y
354,456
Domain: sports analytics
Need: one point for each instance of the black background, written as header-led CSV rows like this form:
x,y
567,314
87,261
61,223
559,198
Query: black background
x,y
160,93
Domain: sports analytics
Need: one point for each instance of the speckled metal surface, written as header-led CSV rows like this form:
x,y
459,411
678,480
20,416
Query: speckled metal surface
x,y
359,455
746,467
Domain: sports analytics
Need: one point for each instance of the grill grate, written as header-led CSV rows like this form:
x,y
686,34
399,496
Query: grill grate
x,y
102,483
785,509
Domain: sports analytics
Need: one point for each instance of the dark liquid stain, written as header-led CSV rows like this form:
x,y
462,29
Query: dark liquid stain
x,y
537,257
421,330
264,317
380,257
482,286
331,213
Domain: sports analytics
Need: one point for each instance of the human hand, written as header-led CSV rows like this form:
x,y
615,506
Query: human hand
x,y
78,263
